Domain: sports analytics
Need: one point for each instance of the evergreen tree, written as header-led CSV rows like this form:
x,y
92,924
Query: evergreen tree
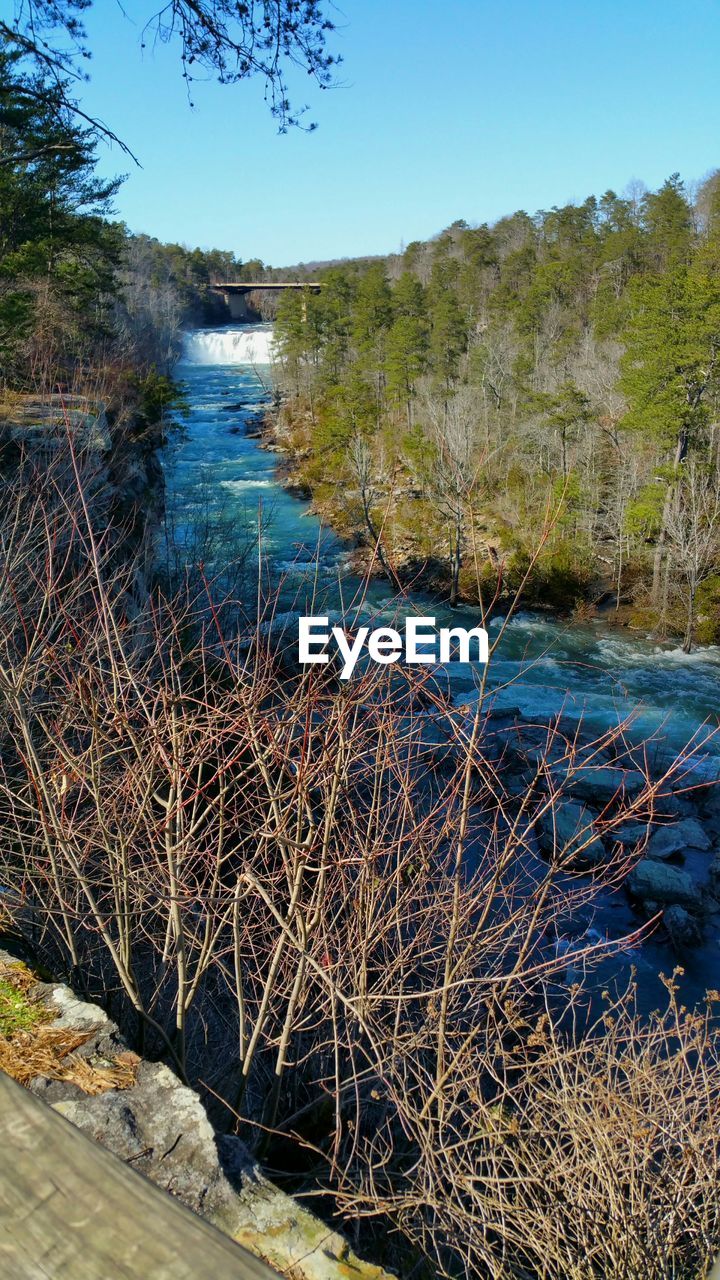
x,y
405,360
372,315
53,227
671,366
448,337
408,297
667,218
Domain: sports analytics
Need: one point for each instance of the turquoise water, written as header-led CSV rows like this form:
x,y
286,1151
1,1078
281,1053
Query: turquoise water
x,y
591,671
542,666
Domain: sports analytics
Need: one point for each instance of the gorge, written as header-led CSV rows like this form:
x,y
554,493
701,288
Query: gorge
x,y
588,675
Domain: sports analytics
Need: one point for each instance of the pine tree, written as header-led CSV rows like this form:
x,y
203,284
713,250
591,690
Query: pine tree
x,y
671,367
53,226
406,355
448,338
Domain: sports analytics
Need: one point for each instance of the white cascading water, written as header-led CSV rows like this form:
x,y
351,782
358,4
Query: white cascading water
x,y
245,344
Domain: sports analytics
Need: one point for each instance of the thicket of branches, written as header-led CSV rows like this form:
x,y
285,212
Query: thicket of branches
x,y
326,903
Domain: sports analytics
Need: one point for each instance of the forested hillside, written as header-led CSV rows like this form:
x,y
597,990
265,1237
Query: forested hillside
x,y
544,386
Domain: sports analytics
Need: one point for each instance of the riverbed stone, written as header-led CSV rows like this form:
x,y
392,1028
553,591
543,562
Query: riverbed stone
x,y
688,833
567,828
658,882
683,929
600,784
630,833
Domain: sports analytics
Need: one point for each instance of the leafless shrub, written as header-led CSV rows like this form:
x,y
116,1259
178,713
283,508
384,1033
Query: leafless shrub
x,y
327,901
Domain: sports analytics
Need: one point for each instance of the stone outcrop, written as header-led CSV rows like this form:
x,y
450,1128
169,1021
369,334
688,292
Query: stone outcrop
x,y
160,1127
42,423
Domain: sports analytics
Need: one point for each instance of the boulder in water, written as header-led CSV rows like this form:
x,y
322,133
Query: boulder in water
x,y
685,834
684,931
657,882
630,833
569,829
600,784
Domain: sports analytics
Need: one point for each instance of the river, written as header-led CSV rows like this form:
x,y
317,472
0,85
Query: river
x,y
591,670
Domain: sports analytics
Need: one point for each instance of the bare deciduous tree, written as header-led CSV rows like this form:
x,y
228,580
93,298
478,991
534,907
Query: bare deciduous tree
x,y
693,532
454,464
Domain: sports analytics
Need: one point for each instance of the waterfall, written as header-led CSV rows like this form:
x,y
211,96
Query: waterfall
x,y
244,344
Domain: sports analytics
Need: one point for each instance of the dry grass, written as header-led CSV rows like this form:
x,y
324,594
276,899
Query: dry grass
x,y
31,1046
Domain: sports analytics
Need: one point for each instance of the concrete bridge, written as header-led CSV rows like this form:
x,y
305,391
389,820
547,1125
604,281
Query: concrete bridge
x,y
235,292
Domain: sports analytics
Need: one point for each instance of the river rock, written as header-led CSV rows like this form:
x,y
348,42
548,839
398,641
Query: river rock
x,y
603,783
685,834
630,833
661,883
682,928
567,829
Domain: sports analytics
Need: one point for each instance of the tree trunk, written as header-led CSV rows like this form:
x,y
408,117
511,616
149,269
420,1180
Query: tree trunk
x,y
690,625
681,449
455,566
376,542
618,579
662,623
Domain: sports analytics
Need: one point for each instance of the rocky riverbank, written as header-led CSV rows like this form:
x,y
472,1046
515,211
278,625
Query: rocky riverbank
x,y
669,842
671,848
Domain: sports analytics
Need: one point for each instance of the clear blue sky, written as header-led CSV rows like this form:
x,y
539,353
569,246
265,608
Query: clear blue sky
x,y
454,109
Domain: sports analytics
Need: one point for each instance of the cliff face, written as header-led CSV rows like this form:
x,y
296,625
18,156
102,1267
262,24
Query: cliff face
x,y
143,1113
42,423
115,452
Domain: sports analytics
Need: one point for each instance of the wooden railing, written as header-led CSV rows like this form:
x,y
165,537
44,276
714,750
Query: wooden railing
x,y
70,1210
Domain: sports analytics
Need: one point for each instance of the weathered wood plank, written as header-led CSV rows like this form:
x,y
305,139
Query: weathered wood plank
x,y
70,1210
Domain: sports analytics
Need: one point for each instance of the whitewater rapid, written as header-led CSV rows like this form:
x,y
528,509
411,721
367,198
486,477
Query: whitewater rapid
x,y
545,667
244,345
